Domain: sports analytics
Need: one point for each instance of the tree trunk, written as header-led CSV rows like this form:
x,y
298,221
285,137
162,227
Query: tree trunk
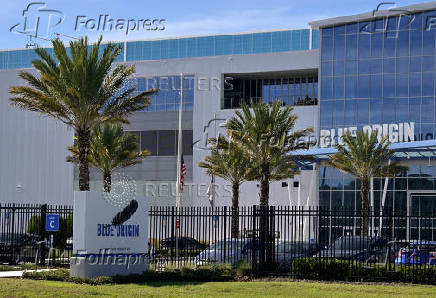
x,y
107,181
264,185
364,191
83,140
235,213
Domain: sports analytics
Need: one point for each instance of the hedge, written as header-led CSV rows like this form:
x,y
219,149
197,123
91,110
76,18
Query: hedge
x,y
348,270
186,274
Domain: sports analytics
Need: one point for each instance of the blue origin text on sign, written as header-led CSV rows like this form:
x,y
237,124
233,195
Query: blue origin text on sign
x,y
52,222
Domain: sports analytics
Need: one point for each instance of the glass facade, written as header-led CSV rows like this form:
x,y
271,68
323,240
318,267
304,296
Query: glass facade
x,y
379,71
168,97
251,43
291,90
339,189
23,58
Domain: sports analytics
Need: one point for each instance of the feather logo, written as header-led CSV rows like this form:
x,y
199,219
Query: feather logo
x,y
125,214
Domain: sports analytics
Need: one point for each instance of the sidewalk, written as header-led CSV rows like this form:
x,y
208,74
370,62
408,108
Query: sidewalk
x,y
20,273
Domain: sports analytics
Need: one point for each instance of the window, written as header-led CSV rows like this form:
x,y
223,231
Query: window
x,y
338,113
168,96
339,44
149,141
327,112
327,48
351,47
339,68
300,90
187,140
350,112
338,87
375,108
167,142
364,45
164,142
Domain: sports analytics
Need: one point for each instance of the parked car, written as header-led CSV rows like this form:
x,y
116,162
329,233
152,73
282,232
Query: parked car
x,y
18,247
287,251
183,243
227,251
416,253
359,248
231,251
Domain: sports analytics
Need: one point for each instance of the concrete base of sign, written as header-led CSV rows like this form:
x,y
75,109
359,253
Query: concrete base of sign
x,y
85,267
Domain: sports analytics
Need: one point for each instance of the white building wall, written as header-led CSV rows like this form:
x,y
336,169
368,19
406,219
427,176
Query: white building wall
x,y
32,153
209,72
279,195
33,150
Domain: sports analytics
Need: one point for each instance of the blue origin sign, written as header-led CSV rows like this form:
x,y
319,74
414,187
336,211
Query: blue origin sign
x,y
52,222
108,230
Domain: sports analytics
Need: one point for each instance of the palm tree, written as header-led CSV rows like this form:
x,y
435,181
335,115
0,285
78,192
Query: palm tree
x,y
227,161
82,88
266,135
110,149
365,157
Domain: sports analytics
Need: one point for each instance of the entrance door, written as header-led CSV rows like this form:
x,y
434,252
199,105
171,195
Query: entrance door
x,y
422,216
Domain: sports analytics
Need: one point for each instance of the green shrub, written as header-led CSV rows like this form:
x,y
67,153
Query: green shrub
x,y
58,275
187,274
243,268
60,237
349,270
101,280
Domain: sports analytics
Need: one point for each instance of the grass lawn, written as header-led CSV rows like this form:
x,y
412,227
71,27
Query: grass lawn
x,y
32,288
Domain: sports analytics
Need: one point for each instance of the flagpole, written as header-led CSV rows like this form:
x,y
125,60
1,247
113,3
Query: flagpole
x,y
179,147
213,176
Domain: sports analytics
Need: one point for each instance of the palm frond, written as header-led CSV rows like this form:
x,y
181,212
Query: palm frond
x,y
111,149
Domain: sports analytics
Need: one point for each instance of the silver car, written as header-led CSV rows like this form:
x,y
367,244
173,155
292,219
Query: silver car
x,y
226,251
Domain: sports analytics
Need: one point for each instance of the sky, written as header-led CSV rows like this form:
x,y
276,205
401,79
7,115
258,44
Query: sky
x,y
176,18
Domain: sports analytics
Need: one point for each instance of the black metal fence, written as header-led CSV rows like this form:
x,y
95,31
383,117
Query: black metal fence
x,y
296,241
25,239
301,242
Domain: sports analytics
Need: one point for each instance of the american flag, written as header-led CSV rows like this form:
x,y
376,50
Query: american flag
x,y
182,174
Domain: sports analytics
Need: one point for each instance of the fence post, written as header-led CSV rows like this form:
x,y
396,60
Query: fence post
x,y
319,208
43,216
225,234
254,252
13,233
173,234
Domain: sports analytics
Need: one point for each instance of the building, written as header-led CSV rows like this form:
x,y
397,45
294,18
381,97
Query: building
x,y
369,71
